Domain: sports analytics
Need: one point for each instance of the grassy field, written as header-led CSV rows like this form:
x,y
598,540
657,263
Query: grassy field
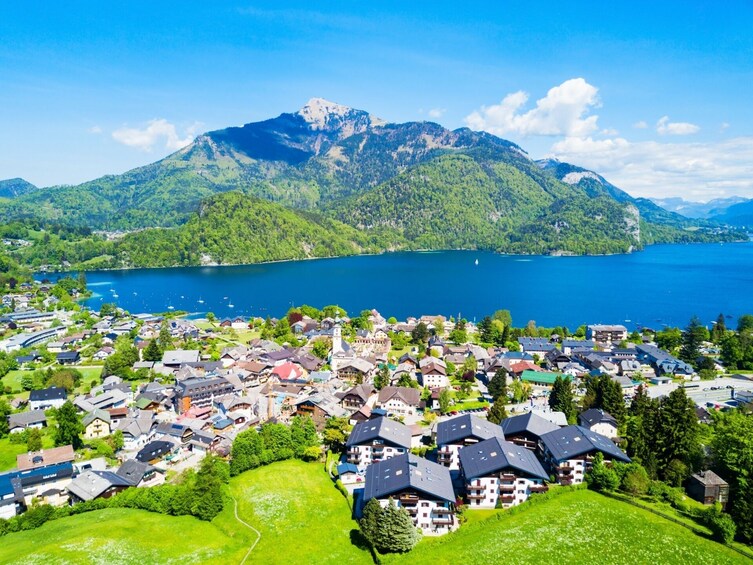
x,y
8,450
124,536
296,507
579,527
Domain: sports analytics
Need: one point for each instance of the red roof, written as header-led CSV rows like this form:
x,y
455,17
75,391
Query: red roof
x,y
287,371
521,366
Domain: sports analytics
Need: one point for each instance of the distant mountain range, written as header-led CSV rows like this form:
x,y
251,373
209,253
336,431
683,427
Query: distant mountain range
x,y
330,168
735,211
15,187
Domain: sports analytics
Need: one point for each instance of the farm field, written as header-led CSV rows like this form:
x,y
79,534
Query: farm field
x,y
124,536
581,527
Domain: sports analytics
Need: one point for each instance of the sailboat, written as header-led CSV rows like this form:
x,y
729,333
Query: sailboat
x,y
476,261
230,304
201,300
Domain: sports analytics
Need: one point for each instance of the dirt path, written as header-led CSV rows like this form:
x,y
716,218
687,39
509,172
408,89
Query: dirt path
x,y
249,526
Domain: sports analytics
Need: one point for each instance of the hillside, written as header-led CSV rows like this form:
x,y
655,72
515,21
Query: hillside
x,y
740,214
10,188
700,210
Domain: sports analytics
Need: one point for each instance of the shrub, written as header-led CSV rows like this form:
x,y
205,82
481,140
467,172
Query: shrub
x,y
721,525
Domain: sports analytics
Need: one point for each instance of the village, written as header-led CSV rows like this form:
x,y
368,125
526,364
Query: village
x,y
427,427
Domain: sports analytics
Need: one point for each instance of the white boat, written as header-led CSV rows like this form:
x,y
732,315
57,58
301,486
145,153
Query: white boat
x,y
115,295
201,301
231,305
171,308
476,261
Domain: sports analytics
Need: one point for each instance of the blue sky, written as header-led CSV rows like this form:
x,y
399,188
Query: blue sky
x,y
655,96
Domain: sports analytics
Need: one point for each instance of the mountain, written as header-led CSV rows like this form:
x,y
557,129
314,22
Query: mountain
x,y
414,185
740,214
701,210
11,188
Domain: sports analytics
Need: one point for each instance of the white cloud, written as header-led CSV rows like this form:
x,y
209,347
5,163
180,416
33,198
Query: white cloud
x,y
437,112
563,111
610,132
665,127
95,129
695,171
156,132
640,125
724,126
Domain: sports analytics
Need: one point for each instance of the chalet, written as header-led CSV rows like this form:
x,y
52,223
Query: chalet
x,y
526,430
154,451
568,452
603,333
568,345
137,431
358,397
356,368
399,399
376,440
455,433
96,424
599,421
96,484
138,473
180,433
200,391
175,358
500,473
423,488
538,346
319,406
45,458
22,421
53,397
708,487
19,488
434,373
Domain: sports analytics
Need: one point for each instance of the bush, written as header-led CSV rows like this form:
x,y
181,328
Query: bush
x,y
721,525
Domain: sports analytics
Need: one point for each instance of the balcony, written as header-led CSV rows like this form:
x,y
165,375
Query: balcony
x,y
442,521
566,482
412,510
442,511
475,496
411,499
507,477
566,468
507,488
539,488
507,499
444,456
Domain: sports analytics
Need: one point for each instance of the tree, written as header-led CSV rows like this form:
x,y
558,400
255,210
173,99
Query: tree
x,y
5,411
206,491
211,317
719,329
395,533
561,398
498,384
246,451
635,479
600,477
382,378
33,439
303,434
152,352
369,522
530,329
444,401
69,428
321,348
420,334
165,340
497,412
669,338
678,435
692,337
336,433
407,380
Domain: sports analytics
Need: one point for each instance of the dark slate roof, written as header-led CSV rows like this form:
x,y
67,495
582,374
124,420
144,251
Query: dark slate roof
x,y
466,426
65,355
572,441
153,450
531,423
408,472
52,393
23,419
709,478
343,468
493,455
31,477
133,471
382,428
595,416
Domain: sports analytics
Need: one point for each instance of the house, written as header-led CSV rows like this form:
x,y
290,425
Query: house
x,y
53,397
538,346
603,333
175,358
376,440
423,488
18,488
180,433
356,368
154,451
11,496
434,373
288,371
568,452
68,357
349,475
399,399
96,424
139,474
44,458
540,378
21,421
96,484
137,431
499,473
525,430
455,433
320,406
568,345
599,421
708,487
199,391
358,397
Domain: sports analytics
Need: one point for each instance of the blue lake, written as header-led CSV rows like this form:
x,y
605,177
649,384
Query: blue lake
x,y
665,284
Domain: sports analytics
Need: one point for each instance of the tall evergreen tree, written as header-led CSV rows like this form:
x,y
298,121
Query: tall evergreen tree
x,y
719,329
612,399
498,384
561,398
396,533
69,428
152,352
165,340
692,337
678,432
497,412
369,522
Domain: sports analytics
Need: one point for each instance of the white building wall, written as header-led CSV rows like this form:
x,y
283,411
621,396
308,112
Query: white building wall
x,y
427,515
494,488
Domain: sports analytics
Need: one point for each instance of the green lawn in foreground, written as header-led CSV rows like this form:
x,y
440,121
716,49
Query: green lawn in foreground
x,y
8,450
123,536
576,527
301,516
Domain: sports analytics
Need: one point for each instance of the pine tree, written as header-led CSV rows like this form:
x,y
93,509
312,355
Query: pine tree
x,y
165,340
33,439
69,427
152,352
206,491
612,399
382,378
498,384
497,412
692,337
396,533
369,523
719,329
561,398
678,432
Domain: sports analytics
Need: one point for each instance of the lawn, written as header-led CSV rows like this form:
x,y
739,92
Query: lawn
x,y
13,379
580,527
301,516
120,535
8,451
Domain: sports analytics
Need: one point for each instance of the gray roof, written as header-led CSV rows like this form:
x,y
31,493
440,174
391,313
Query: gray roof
x,y
133,471
23,419
531,423
52,393
91,484
383,428
494,455
94,415
466,426
408,472
596,416
180,356
572,441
